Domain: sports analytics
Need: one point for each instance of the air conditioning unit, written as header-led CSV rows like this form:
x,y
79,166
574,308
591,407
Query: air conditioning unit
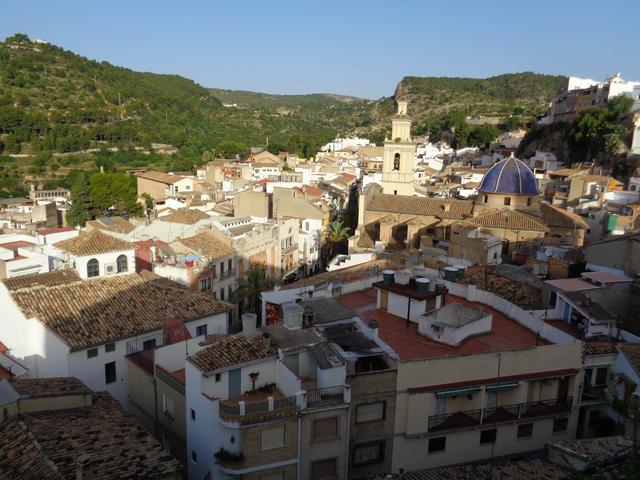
x,y
110,268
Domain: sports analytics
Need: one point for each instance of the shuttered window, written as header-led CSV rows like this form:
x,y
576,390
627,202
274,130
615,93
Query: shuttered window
x,y
369,453
370,412
272,438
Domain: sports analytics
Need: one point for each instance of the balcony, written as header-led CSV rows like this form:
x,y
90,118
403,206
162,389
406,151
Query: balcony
x,y
229,460
503,414
320,397
271,403
289,248
593,393
141,351
225,274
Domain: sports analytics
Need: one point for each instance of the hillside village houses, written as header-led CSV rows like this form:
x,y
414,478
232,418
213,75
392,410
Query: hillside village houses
x,y
484,308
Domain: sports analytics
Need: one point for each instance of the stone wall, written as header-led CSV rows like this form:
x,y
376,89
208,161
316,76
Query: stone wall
x,y
527,297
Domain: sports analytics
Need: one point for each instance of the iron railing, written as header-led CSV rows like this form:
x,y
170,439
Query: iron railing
x,y
506,413
325,396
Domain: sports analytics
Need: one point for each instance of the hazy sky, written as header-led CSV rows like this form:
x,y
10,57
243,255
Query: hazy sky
x,y
357,47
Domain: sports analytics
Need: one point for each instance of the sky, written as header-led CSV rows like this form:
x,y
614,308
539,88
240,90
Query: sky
x,y
350,47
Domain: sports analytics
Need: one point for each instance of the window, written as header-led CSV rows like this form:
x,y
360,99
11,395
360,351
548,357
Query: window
x,y
229,290
149,344
93,268
601,376
193,414
396,161
485,198
528,201
168,406
325,429
437,444
221,269
110,347
110,372
201,330
230,264
121,263
271,438
525,430
507,200
324,469
368,454
205,284
222,294
488,436
395,192
218,376
370,412
560,425
92,352
194,457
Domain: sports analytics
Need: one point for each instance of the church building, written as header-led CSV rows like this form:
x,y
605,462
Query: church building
x,y
508,205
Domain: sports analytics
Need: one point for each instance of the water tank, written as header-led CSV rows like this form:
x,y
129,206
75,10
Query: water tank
x,y
403,277
292,315
388,276
450,273
461,269
249,322
422,285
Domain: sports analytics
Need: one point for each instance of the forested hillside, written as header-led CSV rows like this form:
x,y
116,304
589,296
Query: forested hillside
x,y
56,105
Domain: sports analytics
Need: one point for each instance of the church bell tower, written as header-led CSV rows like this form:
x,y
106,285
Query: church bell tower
x,y
399,155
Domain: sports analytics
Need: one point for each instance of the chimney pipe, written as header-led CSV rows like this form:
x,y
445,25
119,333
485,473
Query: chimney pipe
x,y
82,467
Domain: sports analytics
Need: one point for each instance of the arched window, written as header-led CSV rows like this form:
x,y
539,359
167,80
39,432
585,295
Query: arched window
x,y
396,161
93,268
121,262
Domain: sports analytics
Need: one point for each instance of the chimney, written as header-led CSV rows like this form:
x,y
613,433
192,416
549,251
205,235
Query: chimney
x,y
83,472
308,317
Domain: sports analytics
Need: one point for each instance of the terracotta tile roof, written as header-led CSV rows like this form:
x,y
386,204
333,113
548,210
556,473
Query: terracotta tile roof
x,y
596,451
632,353
437,207
557,217
112,224
94,243
49,231
49,387
117,445
21,455
159,177
93,312
598,348
50,279
185,216
207,244
512,219
535,469
232,350
343,275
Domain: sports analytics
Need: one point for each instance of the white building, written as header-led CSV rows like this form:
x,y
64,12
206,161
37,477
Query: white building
x,y
96,254
58,325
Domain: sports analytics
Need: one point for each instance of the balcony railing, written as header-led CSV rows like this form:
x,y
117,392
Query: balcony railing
x,y
502,414
317,397
325,396
592,393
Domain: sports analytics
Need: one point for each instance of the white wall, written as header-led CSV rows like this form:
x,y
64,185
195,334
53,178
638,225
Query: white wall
x,y
215,324
35,346
287,381
103,260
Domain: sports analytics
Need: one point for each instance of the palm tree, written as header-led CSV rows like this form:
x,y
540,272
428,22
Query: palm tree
x,y
335,233
250,289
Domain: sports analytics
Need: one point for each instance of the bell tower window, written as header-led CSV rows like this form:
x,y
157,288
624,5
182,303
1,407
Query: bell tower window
x,y
396,161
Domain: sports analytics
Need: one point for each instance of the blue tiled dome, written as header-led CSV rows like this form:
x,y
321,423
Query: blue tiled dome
x,y
509,176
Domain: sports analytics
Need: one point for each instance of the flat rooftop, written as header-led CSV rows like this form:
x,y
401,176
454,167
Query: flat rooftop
x,y
506,334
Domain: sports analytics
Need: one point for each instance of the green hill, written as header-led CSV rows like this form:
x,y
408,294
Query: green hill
x,y
55,103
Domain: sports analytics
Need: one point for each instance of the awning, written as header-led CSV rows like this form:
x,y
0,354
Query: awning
x,y
501,386
457,391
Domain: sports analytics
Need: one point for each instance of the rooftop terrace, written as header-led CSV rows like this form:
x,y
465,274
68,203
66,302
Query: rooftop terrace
x,y
409,344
